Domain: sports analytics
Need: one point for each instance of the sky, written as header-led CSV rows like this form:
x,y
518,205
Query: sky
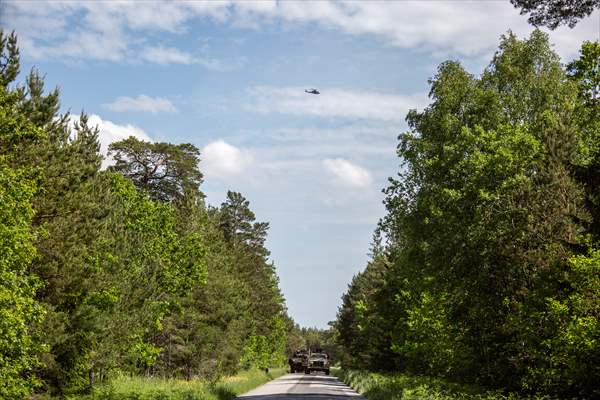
x,y
229,77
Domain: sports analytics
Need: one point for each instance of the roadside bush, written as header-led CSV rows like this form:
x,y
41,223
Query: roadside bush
x,y
375,386
139,388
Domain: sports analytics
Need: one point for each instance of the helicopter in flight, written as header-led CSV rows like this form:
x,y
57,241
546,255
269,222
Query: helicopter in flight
x,y
312,91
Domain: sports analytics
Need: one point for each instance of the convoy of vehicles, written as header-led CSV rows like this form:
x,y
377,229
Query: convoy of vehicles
x,y
317,362
308,361
297,361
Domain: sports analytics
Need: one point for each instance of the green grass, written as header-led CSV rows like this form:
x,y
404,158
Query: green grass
x,y
376,386
140,388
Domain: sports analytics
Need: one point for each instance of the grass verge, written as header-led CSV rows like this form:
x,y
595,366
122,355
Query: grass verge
x,y
376,386
140,388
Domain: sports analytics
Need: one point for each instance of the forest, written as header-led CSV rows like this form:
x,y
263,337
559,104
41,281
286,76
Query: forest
x,y
122,268
486,267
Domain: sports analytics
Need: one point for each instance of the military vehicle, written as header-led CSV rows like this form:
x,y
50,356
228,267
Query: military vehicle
x,y
298,360
317,361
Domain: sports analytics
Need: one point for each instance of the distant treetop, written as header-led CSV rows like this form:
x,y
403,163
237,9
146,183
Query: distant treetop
x,y
553,13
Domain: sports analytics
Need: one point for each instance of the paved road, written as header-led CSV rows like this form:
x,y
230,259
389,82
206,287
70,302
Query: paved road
x,y
303,387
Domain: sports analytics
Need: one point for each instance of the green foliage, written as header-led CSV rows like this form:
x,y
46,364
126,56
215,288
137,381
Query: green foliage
x,y
478,268
166,171
264,341
362,331
135,274
18,309
126,269
585,73
256,352
427,343
407,387
9,59
553,13
570,357
227,388
261,351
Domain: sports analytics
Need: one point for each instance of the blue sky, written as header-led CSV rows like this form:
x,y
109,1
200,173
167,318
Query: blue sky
x,y
229,78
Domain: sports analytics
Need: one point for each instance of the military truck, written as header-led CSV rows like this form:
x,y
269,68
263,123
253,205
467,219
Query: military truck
x,y
317,361
297,361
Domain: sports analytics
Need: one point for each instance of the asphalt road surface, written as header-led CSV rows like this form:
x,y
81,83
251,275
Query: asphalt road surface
x,y
303,387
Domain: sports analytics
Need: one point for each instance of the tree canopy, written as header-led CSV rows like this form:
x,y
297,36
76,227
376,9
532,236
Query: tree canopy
x,y
165,171
124,270
553,13
487,254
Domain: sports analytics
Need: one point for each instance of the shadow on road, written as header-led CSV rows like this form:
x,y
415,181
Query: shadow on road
x,y
299,396
303,387
308,380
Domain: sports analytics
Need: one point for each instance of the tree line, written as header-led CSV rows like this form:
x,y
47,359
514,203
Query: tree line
x,y
486,266
123,270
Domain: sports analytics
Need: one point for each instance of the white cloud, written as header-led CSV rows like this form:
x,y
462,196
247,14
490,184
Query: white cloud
x,y
171,55
108,31
449,28
220,159
335,103
65,30
166,55
84,45
111,30
347,173
215,64
141,103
